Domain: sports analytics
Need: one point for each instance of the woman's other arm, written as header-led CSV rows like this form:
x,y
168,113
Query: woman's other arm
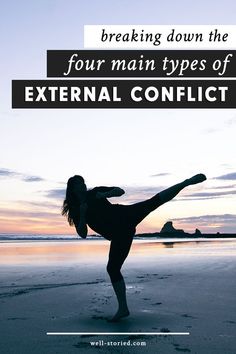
x,y
81,227
112,192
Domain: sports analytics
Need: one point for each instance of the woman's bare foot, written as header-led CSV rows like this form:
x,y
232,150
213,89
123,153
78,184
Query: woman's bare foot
x,y
196,179
120,314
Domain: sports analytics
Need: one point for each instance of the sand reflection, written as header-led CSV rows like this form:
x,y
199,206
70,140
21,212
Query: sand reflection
x,y
92,251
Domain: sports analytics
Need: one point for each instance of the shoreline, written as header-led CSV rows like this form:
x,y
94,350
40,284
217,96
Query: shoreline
x,y
141,239
157,236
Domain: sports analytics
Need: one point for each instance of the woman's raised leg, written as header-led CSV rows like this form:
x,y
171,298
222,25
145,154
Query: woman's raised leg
x,y
170,193
137,212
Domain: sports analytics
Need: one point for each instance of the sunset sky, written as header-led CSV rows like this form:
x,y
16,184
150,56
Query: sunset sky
x,y
142,151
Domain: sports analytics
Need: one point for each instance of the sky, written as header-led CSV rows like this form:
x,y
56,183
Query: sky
x,y
142,151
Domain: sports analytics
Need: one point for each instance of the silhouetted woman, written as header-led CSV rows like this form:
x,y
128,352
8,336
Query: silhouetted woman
x,y
115,222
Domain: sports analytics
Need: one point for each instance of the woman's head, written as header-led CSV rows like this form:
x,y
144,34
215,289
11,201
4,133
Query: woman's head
x,y
75,192
75,179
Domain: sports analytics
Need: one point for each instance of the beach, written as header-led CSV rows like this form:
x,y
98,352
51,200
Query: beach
x,y
181,297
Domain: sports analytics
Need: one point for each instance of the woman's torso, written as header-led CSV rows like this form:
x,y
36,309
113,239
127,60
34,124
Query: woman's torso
x,y
106,218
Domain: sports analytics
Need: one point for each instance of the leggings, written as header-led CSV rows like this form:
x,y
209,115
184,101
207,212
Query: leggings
x,y
121,239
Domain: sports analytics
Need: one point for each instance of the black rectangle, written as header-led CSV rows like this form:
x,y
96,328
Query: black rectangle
x,y
150,93
224,62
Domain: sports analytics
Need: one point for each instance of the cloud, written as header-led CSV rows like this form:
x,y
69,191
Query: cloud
x,y
32,221
32,179
230,186
222,218
211,130
231,121
227,177
41,204
161,174
137,194
6,173
213,194
224,223
27,214
56,193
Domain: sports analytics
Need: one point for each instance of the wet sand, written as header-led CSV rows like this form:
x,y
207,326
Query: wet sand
x,y
186,287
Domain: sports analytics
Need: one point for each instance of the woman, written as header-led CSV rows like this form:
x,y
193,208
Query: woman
x,y
116,222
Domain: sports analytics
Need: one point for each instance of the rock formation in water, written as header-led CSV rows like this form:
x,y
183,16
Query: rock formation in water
x,y
169,229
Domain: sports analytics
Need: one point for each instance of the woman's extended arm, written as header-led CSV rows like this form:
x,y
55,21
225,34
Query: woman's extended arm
x,y
81,227
114,192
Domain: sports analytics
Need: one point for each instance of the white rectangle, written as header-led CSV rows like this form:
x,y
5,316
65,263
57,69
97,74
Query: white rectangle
x,y
213,37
